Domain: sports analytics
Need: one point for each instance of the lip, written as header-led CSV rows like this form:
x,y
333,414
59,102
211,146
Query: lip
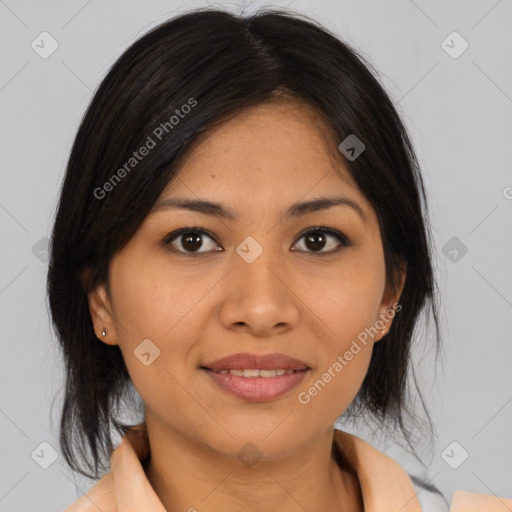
x,y
257,389
252,361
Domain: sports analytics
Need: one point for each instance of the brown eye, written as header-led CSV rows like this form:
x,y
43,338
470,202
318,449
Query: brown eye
x,y
320,238
195,241
190,241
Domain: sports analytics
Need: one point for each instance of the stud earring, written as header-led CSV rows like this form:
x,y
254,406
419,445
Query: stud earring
x,y
104,332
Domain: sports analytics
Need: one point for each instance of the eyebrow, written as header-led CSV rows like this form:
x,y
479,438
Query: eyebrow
x,y
218,210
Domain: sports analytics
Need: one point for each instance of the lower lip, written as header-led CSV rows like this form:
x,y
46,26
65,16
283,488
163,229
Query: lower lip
x,y
257,389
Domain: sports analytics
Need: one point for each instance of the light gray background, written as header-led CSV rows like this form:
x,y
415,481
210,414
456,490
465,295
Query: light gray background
x,y
459,113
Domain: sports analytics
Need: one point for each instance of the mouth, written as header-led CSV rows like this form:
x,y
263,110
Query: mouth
x,y
256,378
255,372
246,361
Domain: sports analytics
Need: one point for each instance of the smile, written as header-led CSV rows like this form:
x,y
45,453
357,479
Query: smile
x,y
255,385
251,372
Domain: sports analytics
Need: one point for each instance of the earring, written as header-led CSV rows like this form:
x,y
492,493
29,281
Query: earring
x,y
104,332
383,332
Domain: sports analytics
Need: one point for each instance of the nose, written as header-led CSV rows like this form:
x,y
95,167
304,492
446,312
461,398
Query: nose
x,y
259,297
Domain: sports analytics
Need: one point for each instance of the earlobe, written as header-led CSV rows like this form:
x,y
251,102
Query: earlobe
x,y
383,324
389,308
101,317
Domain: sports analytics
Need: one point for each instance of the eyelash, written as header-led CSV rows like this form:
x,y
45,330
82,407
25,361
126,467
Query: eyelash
x,y
342,238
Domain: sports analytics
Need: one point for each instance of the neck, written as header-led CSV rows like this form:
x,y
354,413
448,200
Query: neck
x,y
188,476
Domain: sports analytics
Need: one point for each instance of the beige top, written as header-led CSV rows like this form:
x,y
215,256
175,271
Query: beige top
x,y
385,485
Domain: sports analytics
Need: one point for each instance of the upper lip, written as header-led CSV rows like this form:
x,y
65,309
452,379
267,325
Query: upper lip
x,y
257,361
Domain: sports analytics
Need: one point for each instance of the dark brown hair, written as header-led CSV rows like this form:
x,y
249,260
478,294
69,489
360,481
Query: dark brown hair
x,y
225,63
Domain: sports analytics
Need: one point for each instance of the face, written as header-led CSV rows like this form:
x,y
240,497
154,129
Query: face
x,y
260,280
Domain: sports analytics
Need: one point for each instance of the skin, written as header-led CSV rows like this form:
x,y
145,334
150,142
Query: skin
x,y
290,300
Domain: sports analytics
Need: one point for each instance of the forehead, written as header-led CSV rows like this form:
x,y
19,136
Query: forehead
x,y
272,154
287,136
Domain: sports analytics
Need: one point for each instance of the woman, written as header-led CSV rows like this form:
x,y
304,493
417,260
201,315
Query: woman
x,y
242,236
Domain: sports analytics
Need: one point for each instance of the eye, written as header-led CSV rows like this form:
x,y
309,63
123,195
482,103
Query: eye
x,y
317,239
189,241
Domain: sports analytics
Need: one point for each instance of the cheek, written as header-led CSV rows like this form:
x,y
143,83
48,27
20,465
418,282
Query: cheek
x,y
332,388
151,296
153,303
348,305
348,300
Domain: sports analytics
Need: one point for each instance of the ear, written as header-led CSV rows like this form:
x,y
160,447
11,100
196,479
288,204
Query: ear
x,y
390,306
101,315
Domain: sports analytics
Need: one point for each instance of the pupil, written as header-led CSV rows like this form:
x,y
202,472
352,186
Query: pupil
x,y
190,239
310,241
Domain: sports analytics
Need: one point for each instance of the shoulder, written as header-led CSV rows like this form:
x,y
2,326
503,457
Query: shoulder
x,y
465,501
100,497
385,483
125,486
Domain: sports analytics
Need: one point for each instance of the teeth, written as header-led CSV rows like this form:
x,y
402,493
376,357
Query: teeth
x,y
251,373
